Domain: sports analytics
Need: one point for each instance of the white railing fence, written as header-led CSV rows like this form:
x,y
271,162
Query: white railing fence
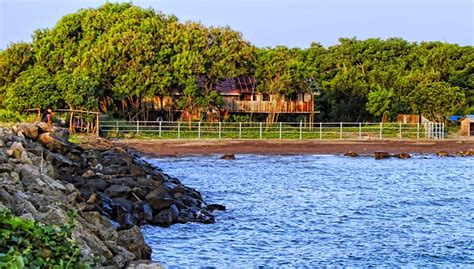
x,y
278,130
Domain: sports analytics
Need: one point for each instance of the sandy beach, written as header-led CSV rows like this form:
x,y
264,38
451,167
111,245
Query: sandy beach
x,y
163,148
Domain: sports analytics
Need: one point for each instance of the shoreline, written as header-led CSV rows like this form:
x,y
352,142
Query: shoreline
x,y
174,148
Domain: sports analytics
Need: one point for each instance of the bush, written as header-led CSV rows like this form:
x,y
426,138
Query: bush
x,y
10,116
27,243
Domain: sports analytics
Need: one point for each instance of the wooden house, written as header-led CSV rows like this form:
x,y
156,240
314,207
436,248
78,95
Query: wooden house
x,y
240,96
467,125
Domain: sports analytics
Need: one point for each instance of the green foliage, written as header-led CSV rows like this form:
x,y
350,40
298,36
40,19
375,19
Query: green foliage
x,y
10,116
34,88
26,243
437,100
119,56
77,91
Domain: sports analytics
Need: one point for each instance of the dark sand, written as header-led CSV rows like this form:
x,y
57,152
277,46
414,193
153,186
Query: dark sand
x,y
162,148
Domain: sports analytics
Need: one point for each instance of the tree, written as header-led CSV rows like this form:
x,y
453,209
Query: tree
x,y
437,100
33,89
78,92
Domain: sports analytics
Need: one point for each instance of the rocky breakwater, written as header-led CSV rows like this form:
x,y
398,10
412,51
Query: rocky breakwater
x,y
42,177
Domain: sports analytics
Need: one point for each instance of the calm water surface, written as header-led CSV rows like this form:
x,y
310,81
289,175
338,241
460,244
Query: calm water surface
x,y
313,210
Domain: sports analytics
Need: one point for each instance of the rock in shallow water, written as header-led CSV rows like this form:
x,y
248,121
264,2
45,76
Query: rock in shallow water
x,y
228,157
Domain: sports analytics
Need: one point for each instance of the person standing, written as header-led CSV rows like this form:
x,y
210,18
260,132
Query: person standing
x,y
49,117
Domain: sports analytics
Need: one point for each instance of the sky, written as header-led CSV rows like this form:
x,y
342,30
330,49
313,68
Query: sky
x,y
294,23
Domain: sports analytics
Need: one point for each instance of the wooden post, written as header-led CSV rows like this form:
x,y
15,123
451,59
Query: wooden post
x,y
117,127
360,130
138,126
260,130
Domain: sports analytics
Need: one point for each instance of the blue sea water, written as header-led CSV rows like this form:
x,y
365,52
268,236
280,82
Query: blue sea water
x,y
317,210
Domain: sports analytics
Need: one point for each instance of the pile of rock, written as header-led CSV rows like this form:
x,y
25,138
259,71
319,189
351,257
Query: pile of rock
x,y
379,155
42,177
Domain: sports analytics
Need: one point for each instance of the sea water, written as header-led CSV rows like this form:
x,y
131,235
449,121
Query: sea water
x,y
315,210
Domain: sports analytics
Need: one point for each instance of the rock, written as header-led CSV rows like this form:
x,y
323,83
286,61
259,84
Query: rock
x,y
121,256
61,134
6,198
88,174
135,170
163,219
172,188
134,241
228,157
122,205
117,191
381,155
29,130
158,203
58,160
94,185
106,231
52,144
143,264
212,207
139,192
403,155
465,153
145,212
6,168
126,221
174,212
18,152
147,182
442,153
43,127
351,154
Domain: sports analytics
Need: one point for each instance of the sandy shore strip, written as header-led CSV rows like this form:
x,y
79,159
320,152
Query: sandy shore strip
x,y
168,148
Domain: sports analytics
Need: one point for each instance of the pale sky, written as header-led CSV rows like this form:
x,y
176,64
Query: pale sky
x,y
294,23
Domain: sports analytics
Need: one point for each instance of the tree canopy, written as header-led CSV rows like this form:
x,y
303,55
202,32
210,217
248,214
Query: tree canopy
x,y
114,57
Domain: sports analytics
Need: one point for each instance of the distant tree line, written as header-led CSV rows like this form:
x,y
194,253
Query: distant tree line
x,y
114,57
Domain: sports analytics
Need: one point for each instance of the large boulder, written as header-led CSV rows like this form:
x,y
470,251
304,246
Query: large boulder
x,y
381,155
52,143
133,240
443,153
351,154
228,157
163,219
29,130
43,127
61,134
18,152
403,155
118,191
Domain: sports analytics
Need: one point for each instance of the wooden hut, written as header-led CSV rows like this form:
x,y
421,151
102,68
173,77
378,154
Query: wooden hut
x,y
240,95
467,125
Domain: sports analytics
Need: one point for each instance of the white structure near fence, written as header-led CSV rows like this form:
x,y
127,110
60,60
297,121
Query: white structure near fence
x,y
279,130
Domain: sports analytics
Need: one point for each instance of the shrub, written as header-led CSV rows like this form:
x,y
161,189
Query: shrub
x,y
10,116
27,243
